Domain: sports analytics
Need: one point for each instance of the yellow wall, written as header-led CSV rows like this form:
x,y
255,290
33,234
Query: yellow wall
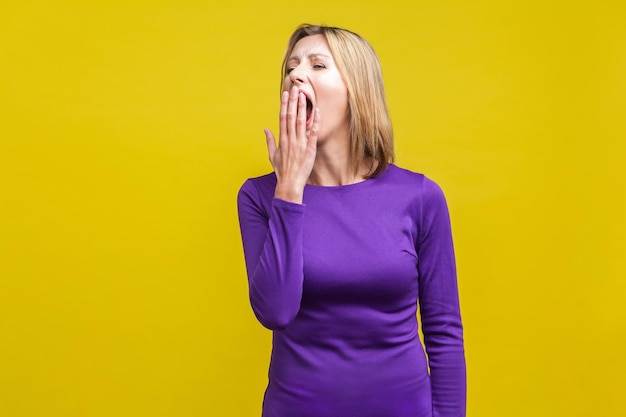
x,y
126,130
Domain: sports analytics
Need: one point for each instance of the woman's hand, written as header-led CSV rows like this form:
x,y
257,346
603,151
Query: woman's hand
x,y
294,157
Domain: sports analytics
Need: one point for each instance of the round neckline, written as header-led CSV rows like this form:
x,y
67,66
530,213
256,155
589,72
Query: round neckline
x,y
352,186
344,186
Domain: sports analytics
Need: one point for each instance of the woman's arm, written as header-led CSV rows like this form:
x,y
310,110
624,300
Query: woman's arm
x,y
272,243
439,305
272,237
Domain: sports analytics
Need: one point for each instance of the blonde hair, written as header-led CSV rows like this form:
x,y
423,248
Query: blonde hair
x,y
371,133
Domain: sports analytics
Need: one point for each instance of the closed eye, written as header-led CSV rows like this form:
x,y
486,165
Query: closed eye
x,y
318,66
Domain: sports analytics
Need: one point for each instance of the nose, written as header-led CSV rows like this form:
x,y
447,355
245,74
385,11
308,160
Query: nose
x,y
296,76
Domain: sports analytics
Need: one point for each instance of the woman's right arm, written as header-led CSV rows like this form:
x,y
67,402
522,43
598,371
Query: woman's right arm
x,y
272,237
272,243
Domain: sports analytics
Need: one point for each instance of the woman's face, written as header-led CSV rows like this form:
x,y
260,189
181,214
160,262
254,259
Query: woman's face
x,y
311,68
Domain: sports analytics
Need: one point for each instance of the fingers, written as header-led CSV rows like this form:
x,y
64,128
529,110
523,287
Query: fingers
x,y
294,155
292,117
301,117
292,112
315,130
271,143
293,129
284,99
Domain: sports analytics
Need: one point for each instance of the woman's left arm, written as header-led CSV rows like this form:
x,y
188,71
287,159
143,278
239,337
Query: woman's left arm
x,y
439,305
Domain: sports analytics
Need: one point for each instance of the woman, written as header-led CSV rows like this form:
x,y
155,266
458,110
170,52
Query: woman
x,y
340,245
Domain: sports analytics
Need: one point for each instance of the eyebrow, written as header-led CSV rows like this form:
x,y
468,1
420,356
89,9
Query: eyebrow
x,y
310,56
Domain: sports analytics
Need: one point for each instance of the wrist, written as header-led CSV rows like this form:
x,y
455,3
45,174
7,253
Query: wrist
x,y
290,193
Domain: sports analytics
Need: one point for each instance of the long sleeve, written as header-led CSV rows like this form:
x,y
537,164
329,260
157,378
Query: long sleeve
x,y
271,231
439,305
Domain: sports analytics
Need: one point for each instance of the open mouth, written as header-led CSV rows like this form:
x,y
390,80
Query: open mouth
x,y
309,108
309,111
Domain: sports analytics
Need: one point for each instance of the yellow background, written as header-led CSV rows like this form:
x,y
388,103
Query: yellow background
x,y
127,129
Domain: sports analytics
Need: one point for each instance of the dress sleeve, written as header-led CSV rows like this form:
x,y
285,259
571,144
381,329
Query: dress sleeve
x,y
439,306
272,243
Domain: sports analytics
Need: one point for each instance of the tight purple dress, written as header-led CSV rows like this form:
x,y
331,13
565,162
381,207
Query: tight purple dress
x,y
338,280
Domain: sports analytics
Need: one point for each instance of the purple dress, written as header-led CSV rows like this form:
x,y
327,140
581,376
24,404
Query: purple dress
x,y
338,279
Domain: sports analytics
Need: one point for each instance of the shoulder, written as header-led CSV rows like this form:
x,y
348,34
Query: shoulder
x,y
260,185
413,183
257,192
399,175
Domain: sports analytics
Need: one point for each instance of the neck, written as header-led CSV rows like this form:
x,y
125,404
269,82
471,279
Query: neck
x,y
333,166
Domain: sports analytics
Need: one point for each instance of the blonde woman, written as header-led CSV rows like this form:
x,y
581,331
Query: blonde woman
x,y
341,246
